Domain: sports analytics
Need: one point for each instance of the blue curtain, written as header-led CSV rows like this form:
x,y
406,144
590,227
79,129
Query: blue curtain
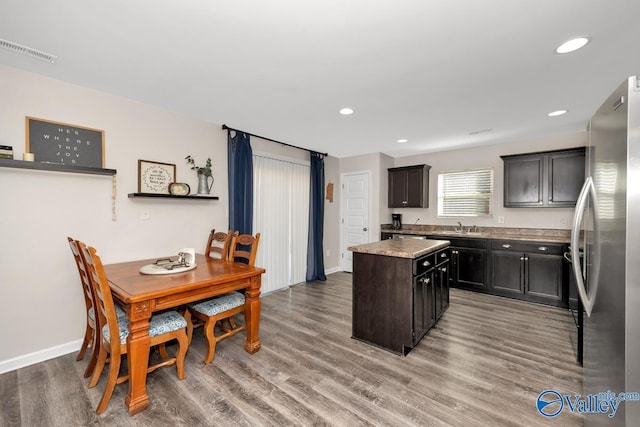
x,y
315,261
240,167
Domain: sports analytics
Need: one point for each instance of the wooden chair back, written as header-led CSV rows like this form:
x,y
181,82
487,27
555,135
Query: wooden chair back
x,y
84,278
218,244
244,247
105,310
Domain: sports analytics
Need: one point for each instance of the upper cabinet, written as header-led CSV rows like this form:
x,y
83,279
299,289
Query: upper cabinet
x,y
409,187
543,180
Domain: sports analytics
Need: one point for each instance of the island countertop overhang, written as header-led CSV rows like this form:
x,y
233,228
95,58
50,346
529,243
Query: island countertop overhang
x,y
401,248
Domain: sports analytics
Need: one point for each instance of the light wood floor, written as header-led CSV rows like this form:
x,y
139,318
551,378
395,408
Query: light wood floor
x,y
484,363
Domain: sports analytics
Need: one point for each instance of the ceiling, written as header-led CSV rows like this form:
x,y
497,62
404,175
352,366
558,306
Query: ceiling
x,y
430,71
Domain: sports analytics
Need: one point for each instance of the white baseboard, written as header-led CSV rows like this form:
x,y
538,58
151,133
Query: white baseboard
x,y
40,356
332,270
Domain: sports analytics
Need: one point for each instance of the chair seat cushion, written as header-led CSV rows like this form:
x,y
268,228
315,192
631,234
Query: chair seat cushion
x,y
162,323
219,304
120,313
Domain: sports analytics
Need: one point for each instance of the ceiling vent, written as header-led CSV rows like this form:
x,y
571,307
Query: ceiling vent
x,y
33,53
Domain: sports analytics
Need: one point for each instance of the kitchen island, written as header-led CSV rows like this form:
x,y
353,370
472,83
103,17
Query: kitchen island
x,y
400,290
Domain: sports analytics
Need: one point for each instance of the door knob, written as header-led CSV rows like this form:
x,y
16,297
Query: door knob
x,y
365,229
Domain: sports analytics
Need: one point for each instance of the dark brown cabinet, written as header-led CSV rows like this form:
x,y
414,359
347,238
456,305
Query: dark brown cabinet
x,y
469,263
397,300
529,271
409,187
544,179
441,275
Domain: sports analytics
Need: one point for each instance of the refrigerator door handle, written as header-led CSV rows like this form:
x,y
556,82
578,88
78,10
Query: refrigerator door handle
x,y
588,299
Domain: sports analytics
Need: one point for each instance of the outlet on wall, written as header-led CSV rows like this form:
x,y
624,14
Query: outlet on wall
x,y
501,219
145,214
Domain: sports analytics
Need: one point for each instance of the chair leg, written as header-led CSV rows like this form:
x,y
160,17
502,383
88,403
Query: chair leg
x,y
187,317
88,333
102,359
162,349
95,351
114,368
181,352
209,326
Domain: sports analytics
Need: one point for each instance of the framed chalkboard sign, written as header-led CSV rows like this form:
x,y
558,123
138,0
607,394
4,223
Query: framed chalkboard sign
x,y
63,143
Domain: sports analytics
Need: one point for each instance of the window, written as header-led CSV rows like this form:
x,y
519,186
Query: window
x,y
465,193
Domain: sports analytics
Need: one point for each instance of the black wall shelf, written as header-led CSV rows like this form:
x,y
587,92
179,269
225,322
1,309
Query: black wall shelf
x,y
21,164
171,196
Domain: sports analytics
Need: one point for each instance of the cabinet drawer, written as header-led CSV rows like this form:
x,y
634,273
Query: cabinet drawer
x,y
469,243
531,247
423,264
442,256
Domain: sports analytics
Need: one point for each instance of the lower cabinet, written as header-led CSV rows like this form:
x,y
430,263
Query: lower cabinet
x,y
469,263
522,269
397,300
431,292
442,271
529,271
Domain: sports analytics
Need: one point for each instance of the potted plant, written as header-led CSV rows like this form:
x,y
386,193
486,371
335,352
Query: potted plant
x,y
204,173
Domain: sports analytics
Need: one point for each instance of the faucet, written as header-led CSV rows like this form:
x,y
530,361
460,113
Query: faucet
x,y
459,229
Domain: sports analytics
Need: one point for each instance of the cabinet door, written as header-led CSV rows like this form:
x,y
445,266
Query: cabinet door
x,y
566,176
523,181
423,305
415,188
507,272
442,283
543,278
470,267
397,188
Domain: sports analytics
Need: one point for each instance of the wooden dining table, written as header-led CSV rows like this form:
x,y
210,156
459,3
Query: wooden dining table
x,y
141,295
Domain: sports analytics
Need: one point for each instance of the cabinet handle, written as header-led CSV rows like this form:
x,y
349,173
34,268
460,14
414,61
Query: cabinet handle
x,y
443,255
521,258
426,281
443,269
426,264
543,248
506,246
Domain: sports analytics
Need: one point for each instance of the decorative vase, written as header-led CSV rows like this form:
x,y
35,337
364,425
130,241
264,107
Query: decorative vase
x,y
203,184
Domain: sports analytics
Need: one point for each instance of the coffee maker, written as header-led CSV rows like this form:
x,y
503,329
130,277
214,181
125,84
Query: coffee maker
x,y
396,221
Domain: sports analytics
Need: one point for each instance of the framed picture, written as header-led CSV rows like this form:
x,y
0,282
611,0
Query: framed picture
x,y
155,177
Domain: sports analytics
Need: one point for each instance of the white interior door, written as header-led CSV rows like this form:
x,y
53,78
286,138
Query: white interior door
x,y
355,214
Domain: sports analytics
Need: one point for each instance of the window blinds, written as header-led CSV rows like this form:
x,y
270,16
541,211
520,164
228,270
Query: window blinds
x,y
465,193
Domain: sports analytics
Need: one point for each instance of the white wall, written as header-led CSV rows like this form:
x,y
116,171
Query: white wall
x,y
41,304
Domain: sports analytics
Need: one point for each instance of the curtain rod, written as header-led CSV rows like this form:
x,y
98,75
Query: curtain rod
x,y
225,127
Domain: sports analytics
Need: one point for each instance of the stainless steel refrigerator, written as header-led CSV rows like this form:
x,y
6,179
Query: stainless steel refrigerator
x,y
606,227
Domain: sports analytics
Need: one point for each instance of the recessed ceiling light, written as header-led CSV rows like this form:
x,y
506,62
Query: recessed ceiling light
x,y
402,140
557,113
346,111
573,44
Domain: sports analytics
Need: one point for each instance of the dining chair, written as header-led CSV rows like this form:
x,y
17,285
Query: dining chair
x,y
218,243
244,248
89,339
223,307
164,327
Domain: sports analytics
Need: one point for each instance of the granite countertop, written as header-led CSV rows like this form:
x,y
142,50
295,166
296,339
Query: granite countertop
x,y
531,234
401,248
